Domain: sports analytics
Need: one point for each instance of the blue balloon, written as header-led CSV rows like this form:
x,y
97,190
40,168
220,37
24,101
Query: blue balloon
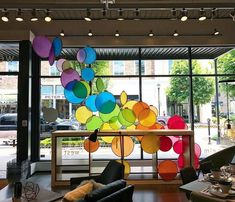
x,y
88,74
105,102
57,45
90,55
90,103
69,95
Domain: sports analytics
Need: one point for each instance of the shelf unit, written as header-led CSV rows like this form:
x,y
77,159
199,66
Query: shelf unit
x,y
84,167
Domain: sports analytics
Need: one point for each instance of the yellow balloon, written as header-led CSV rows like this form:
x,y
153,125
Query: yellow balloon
x,y
132,127
107,139
154,109
129,104
82,114
123,98
127,168
150,144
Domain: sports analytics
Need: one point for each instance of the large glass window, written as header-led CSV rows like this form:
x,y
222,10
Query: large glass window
x,y
8,107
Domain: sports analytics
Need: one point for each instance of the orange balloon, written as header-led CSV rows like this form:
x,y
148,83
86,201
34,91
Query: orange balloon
x,y
91,146
128,146
150,144
157,126
139,107
167,169
147,117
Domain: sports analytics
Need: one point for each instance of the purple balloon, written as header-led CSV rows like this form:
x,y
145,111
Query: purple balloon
x,y
42,46
51,56
81,55
69,75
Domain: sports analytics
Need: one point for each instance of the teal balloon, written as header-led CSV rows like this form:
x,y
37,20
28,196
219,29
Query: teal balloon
x,y
105,102
90,55
88,74
69,95
81,89
90,103
57,45
107,117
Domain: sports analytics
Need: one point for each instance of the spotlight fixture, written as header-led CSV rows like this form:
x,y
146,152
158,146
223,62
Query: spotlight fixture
x,y
176,33
88,15
213,13
202,15
216,32
120,17
5,17
47,17
117,33
104,12
62,33
90,33
150,33
173,12
232,14
184,15
34,16
19,16
137,13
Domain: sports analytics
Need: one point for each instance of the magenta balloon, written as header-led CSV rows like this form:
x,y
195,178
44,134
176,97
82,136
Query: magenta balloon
x,y
51,56
197,150
81,55
42,46
69,75
59,64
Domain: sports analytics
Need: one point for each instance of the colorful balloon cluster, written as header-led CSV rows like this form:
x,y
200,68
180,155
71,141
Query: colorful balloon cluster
x,y
101,110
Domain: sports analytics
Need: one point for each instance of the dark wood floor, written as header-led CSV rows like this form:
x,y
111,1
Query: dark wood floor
x,y
142,193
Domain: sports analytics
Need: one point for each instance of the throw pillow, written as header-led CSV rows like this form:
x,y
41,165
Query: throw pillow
x,y
96,185
78,193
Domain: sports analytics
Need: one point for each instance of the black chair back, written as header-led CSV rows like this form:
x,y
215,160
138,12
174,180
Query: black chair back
x,y
205,167
112,172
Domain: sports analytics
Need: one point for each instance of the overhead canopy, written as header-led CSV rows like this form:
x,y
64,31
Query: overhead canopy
x,y
7,50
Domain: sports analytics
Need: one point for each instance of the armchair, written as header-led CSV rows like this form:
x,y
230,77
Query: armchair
x,y
112,172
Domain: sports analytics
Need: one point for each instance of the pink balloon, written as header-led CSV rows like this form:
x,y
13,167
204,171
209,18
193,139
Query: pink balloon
x,y
81,55
59,64
51,56
69,75
178,147
176,122
197,150
42,46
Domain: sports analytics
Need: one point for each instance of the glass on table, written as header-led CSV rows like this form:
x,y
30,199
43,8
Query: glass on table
x,y
226,171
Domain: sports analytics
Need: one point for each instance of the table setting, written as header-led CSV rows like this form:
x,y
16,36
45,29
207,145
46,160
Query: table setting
x,y
222,182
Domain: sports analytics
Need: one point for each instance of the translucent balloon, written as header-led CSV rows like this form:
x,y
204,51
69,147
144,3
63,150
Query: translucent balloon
x,y
107,117
176,122
51,56
165,143
81,89
69,75
93,123
106,127
114,123
90,103
81,55
90,146
126,117
127,168
90,55
42,46
59,64
99,85
150,144
139,107
147,117
105,102
69,95
167,169
83,114
128,146
178,147
129,104
66,65
57,46
88,74
154,109
123,98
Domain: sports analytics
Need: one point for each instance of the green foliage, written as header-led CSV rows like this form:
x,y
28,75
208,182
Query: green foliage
x,y
99,85
226,65
178,92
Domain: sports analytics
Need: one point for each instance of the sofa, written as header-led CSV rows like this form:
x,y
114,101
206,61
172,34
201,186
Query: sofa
x,y
113,192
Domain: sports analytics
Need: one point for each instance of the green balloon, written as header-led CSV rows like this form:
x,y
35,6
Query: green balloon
x,y
100,85
126,117
114,123
107,117
81,89
93,123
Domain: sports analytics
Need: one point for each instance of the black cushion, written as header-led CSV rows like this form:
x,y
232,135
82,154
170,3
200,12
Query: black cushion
x,y
122,195
105,191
